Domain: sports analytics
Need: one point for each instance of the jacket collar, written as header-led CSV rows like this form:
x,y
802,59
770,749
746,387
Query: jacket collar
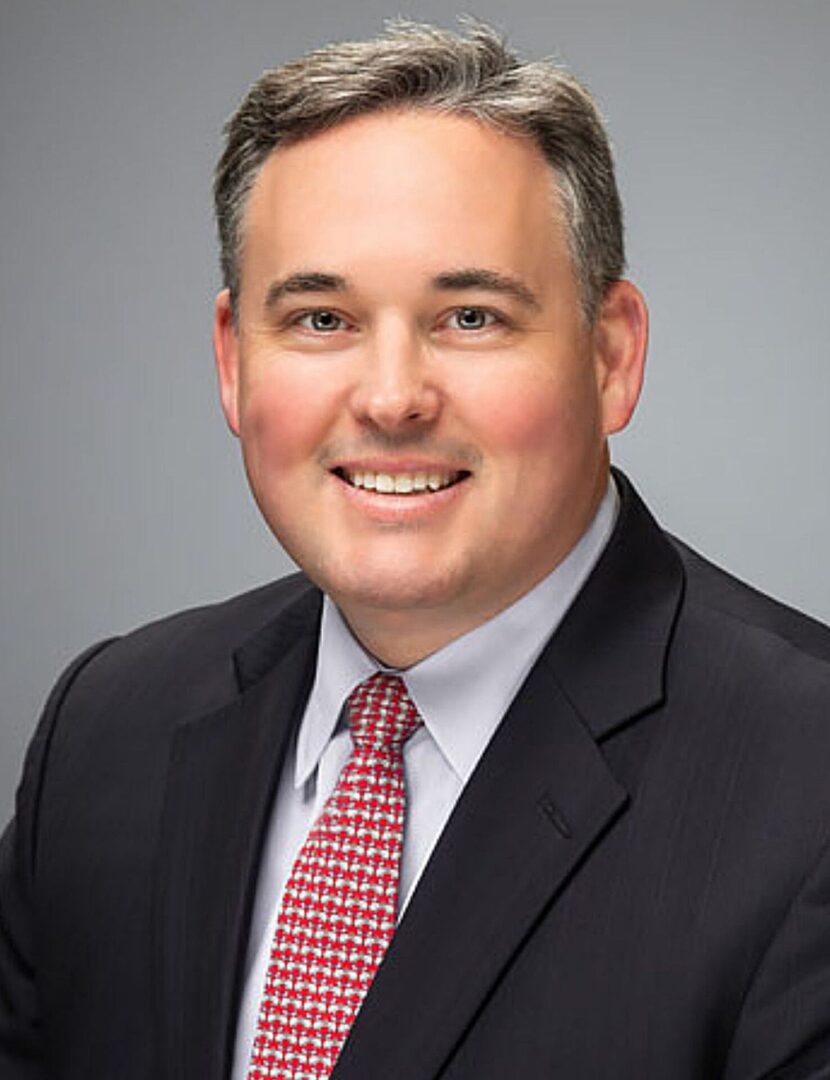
x,y
297,619
609,654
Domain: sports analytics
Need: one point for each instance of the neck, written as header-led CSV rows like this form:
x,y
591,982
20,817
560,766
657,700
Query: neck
x,y
400,639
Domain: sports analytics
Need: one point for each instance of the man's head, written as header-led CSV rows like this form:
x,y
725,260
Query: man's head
x,y
412,310
418,66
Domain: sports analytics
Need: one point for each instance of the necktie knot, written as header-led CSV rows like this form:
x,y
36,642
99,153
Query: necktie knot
x,y
382,715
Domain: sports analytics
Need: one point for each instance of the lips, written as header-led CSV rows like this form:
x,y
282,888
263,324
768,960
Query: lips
x,y
401,482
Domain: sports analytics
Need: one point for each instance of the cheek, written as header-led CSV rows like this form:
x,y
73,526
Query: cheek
x,y
540,421
281,422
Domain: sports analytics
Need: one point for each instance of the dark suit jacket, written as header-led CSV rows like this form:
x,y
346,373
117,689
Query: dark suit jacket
x,y
635,883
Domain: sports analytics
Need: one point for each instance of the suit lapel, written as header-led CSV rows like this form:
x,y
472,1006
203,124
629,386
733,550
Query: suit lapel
x,y
541,798
223,772
533,809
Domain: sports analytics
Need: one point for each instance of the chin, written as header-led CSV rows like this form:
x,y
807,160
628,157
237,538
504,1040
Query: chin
x,y
390,588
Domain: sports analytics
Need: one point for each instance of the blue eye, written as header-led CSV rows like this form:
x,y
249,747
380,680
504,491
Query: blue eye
x,y
321,322
472,318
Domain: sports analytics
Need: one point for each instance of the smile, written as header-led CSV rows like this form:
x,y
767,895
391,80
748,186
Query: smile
x,y
401,483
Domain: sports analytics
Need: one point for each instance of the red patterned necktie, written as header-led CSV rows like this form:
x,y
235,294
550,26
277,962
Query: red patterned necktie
x,y
338,911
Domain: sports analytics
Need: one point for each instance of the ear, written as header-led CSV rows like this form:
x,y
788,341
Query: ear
x,y
620,340
226,353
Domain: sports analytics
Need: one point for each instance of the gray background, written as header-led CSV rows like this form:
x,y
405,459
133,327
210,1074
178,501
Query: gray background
x,y
121,492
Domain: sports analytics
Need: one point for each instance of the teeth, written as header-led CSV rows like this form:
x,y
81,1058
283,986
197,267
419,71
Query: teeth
x,y
401,483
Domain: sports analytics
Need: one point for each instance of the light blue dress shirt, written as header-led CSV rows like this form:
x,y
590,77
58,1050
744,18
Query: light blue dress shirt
x,y
462,692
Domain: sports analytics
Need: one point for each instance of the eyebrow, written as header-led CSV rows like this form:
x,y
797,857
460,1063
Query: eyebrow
x,y
471,277
305,281
474,277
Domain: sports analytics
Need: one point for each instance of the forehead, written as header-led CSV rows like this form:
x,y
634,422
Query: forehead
x,y
403,180
449,145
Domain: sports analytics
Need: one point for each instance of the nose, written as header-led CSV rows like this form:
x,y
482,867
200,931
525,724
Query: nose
x,y
395,392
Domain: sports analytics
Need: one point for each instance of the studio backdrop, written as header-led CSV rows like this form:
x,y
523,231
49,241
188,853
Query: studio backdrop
x,y
121,491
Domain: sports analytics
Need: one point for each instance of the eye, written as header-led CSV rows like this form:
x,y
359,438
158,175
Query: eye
x,y
321,321
472,318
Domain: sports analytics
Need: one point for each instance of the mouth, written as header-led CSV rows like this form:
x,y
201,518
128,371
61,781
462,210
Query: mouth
x,y
415,482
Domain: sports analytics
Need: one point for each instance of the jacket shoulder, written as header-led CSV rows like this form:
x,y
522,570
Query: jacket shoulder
x,y
713,591
186,659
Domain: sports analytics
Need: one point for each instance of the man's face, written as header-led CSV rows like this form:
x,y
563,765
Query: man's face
x,y
421,405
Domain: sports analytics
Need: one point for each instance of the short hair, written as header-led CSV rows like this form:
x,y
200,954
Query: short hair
x,y
418,66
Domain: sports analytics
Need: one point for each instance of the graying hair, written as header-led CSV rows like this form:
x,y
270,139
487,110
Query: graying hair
x,y
413,65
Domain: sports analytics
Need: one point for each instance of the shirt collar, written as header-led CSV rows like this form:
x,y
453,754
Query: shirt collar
x,y
463,690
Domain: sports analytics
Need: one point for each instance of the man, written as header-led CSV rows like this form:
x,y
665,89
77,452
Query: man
x,y
595,843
